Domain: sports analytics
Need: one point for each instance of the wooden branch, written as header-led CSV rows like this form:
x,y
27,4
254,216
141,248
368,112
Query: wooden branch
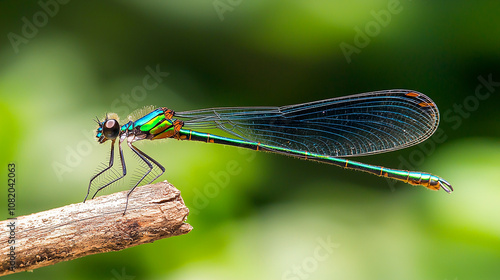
x,y
96,226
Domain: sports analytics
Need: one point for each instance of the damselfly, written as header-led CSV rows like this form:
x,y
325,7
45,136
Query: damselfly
x,y
326,131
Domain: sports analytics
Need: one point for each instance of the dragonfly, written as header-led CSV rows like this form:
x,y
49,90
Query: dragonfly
x,y
329,131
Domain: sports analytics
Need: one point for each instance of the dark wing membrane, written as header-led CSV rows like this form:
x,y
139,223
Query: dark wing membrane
x,y
354,125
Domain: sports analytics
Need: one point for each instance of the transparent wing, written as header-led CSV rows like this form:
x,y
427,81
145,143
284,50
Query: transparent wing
x,y
354,125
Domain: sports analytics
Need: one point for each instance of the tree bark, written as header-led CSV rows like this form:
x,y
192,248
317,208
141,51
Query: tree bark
x,y
96,226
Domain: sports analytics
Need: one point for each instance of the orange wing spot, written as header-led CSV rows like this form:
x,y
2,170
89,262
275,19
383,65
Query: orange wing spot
x,y
412,94
426,104
183,137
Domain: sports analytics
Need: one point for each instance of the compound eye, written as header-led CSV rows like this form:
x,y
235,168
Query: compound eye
x,y
111,129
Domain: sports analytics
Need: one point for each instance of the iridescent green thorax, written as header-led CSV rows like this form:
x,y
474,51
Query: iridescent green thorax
x,y
150,120
157,124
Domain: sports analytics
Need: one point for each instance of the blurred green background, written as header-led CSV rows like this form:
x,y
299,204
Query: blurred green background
x,y
62,63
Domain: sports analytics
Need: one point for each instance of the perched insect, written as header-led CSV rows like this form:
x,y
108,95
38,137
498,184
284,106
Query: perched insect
x,y
326,131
